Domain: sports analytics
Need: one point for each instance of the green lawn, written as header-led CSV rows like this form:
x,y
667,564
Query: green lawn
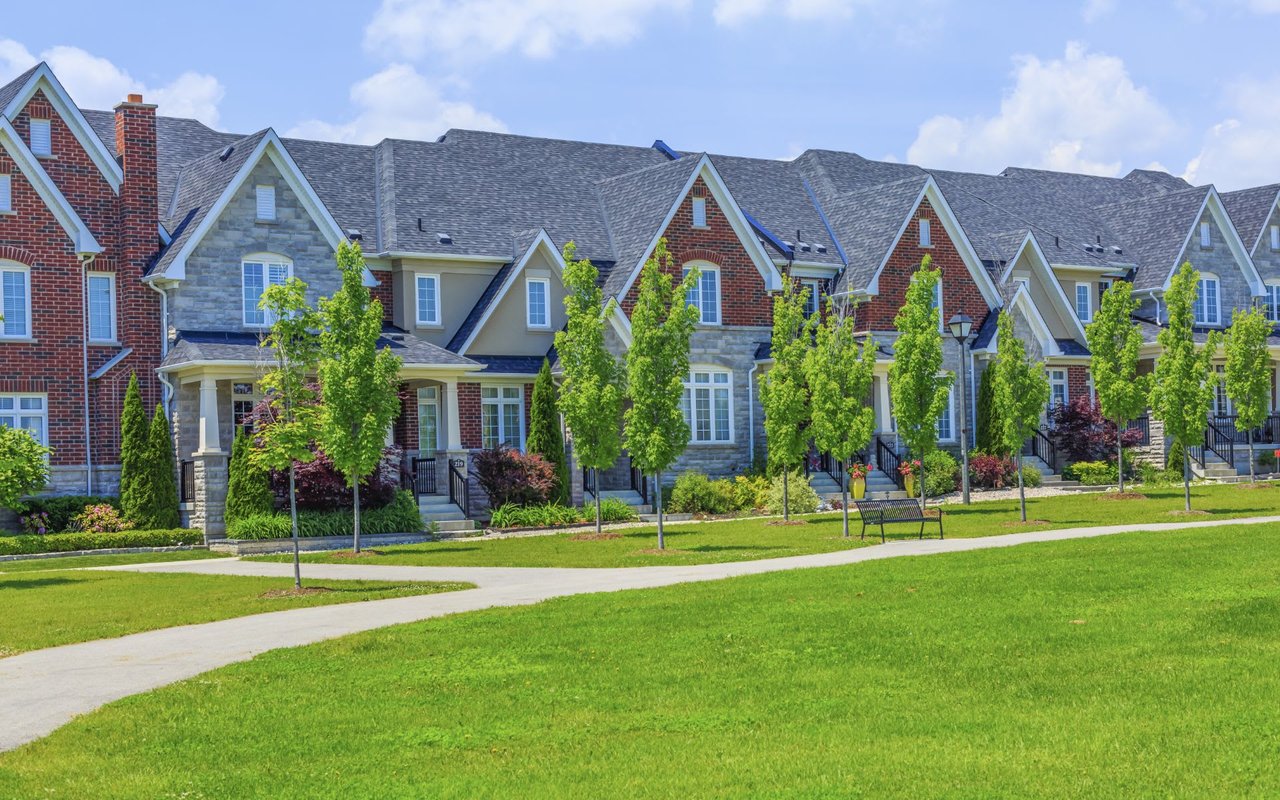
x,y
78,562
45,609
1139,665
742,540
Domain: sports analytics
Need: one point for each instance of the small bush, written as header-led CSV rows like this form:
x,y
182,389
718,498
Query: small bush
x,y
100,519
988,471
1092,473
1152,475
320,487
750,492
612,509
62,509
801,498
1267,459
35,524
546,515
941,473
65,542
694,493
509,476
1031,477
401,515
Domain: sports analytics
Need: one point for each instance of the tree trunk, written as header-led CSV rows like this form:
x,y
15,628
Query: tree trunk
x,y
844,497
786,504
1186,478
924,501
1253,478
1022,491
595,487
356,537
1120,454
293,516
657,496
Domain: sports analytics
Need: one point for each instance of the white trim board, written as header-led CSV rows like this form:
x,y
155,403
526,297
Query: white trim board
x,y
53,198
1047,276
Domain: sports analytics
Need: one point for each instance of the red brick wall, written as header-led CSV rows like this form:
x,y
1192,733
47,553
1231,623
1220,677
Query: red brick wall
x,y
959,291
469,414
528,407
1077,381
382,292
743,299
406,425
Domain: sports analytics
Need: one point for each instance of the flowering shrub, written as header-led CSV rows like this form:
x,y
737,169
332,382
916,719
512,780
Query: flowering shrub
x,y
100,519
992,472
911,467
36,523
509,476
858,471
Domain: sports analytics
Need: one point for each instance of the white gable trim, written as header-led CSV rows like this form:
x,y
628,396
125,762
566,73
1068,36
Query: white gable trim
x,y
1262,233
1022,301
621,325
759,256
955,232
53,198
1213,203
542,242
1050,279
44,79
273,148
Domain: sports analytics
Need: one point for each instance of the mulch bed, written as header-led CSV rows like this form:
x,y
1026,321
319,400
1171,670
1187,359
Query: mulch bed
x,y
1195,512
593,537
353,555
1015,523
788,522
653,551
292,592
1122,496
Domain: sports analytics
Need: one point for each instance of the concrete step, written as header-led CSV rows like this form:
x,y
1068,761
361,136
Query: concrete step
x,y
431,500
455,526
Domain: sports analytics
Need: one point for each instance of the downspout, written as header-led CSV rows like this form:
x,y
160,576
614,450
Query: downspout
x,y
751,411
85,260
164,346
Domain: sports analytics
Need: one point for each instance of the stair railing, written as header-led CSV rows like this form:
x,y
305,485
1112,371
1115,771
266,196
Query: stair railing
x,y
889,462
459,486
1221,439
638,483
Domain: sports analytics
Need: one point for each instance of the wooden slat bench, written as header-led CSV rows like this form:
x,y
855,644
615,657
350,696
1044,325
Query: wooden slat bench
x,y
878,512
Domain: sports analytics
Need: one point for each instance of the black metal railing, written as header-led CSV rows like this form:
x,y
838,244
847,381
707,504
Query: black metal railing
x,y
1041,447
187,482
1221,439
459,486
424,476
1195,453
1266,433
1271,430
1142,424
888,462
638,483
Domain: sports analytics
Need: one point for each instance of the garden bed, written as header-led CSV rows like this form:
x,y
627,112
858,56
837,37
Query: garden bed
x,y
110,551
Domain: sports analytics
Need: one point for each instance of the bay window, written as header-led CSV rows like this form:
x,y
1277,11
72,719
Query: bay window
x,y
502,416
708,406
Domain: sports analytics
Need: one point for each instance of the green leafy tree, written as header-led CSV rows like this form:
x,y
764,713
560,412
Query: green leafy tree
x,y
591,391
1248,373
988,438
784,394
24,467
248,484
839,374
134,451
295,424
357,379
545,437
1021,393
918,385
662,323
1182,390
160,511
1115,344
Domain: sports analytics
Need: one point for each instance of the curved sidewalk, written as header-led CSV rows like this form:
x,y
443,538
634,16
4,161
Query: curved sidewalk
x,y
44,689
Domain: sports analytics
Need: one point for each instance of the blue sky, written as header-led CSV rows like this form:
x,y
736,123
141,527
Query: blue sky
x,y
1100,86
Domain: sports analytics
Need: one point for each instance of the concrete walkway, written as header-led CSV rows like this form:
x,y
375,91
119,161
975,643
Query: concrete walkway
x,y
44,689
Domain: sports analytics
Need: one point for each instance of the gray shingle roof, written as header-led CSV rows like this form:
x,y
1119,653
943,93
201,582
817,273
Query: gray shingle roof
x,y
1250,209
773,193
10,90
344,178
1154,230
195,346
867,222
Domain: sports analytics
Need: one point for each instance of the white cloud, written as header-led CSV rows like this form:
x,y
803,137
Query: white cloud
x,y
733,12
95,82
398,103
1080,113
1095,10
1240,151
477,29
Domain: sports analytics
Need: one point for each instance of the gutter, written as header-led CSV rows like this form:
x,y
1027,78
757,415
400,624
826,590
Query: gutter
x,y
167,401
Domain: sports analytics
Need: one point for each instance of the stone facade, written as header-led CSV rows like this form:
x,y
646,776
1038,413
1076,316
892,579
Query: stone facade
x,y
1234,290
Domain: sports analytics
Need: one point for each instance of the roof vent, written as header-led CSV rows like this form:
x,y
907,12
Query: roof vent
x,y
789,245
355,235
1055,242
444,238
822,248
1116,251
226,152
804,247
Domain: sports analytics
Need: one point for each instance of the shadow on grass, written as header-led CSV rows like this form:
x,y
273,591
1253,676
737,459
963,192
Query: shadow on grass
x,y
33,583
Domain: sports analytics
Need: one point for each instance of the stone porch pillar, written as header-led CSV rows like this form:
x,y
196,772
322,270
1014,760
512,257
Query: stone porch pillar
x,y
209,467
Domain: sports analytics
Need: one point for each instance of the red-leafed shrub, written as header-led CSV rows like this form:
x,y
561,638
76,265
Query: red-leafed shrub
x,y
509,476
321,487
992,472
1082,434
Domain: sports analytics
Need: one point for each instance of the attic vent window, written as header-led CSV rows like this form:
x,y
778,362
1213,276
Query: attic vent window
x,y
41,138
444,238
266,200
822,248
699,212
804,247
6,193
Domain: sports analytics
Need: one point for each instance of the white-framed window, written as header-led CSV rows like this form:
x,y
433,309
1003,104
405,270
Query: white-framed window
x,y
1058,393
926,234
428,294
1208,310
428,420
946,420
538,302
1275,237
41,137
101,289
705,295
257,273
813,303
6,193
244,397
1206,235
15,301
266,201
699,212
29,412
502,416
1084,302
1272,302
1103,286
708,406
937,303
1221,403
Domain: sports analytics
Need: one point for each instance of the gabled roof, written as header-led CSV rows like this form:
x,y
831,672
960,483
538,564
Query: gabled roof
x,y
501,284
1041,265
869,222
1250,209
81,237
11,89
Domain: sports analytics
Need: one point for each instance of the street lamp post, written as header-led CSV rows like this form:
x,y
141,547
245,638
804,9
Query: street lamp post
x,y
961,326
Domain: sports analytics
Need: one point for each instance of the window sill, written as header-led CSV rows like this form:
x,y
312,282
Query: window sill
x,y
17,340
8,213
429,326
729,443
538,328
45,157
266,221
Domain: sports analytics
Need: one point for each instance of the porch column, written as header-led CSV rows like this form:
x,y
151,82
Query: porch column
x,y
886,409
453,422
209,441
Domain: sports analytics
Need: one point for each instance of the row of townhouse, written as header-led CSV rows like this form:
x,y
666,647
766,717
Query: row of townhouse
x,y
132,242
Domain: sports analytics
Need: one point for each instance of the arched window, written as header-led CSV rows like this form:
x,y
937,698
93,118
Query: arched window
x,y
1208,309
257,272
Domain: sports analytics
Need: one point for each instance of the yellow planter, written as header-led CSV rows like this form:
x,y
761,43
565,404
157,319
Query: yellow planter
x,y
859,488
910,481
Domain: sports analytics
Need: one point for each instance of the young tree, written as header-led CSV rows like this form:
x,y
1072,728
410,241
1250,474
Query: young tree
x,y
295,424
24,467
1021,393
161,509
248,485
1115,344
592,388
784,395
134,449
357,379
1182,390
657,367
839,374
1248,373
545,437
916,380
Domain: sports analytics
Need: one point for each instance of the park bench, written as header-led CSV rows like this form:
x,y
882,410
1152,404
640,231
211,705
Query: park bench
x,y
879,512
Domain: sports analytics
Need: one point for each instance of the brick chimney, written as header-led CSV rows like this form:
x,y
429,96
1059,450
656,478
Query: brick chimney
x,y
136,147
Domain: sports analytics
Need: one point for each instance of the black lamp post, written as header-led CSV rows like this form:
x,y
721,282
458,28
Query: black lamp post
x,y
961,326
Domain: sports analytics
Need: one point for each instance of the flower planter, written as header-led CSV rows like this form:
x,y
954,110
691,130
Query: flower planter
x,y
910,481
859,488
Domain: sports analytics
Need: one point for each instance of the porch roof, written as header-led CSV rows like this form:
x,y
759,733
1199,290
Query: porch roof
x,y
196,347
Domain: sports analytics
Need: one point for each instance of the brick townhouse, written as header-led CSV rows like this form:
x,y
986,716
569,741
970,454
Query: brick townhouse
x,y
131,242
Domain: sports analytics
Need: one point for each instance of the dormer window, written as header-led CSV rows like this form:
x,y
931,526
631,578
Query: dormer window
x,y
1206,236
266,198
1275,237
705,294
6,194
926,234
699,212
41,137
1207,308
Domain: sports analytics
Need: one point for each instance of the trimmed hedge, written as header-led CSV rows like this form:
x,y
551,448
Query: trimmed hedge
x,y
400,516
64,542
